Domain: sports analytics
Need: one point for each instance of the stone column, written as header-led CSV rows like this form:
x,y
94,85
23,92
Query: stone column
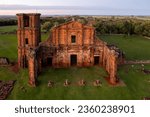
x,y
113,69
32,63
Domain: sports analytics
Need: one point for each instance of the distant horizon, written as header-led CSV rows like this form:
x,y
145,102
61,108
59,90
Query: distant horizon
x,y
103,8
70,10
5,15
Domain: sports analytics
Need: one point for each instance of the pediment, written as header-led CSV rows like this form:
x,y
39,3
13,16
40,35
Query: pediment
x,y
75,25
72,25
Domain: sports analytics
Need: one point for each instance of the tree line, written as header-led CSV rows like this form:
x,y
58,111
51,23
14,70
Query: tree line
x,y
126,26
111,25
8,22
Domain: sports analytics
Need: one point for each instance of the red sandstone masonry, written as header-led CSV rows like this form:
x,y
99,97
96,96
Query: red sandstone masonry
x,y
71,43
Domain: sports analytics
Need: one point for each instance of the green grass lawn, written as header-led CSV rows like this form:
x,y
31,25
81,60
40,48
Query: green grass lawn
x,y
8,46
8,29
135,47
44,36
137,85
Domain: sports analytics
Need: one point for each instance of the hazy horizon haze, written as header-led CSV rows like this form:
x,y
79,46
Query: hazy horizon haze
x,y
76,7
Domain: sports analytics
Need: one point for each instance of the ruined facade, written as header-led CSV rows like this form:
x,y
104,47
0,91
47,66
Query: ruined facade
x,y
69,44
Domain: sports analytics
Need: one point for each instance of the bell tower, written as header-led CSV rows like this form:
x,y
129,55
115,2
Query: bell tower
x,y
29,35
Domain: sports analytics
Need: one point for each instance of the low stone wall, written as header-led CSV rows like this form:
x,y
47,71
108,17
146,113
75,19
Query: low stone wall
x,y
4,61
6,88
137,62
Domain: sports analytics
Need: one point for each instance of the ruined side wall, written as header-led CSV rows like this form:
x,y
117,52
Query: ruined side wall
x,y
109,62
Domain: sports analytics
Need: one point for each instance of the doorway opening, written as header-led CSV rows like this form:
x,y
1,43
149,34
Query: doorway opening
x,y
49,61
26,41
73,59
96,60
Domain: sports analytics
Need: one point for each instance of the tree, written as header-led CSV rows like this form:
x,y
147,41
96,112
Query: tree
x,y
128,27
146,29
139,28
47,26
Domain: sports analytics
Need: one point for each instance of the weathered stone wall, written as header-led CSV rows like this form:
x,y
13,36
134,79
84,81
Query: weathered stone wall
x,y
61,35
61,40
32,66
61,57
110,57
5,88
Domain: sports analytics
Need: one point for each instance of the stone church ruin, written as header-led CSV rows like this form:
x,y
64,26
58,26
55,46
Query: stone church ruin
x,y
69,44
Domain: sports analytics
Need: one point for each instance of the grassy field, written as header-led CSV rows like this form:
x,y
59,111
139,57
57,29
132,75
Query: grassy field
x,y
136,86
8,46
8,29
135,47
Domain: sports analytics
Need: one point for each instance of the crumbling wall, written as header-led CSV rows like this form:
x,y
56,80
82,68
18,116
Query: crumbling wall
x,y
5,88
110,63
32,66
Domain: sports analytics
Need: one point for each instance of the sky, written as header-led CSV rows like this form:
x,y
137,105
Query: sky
x,y
91,7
